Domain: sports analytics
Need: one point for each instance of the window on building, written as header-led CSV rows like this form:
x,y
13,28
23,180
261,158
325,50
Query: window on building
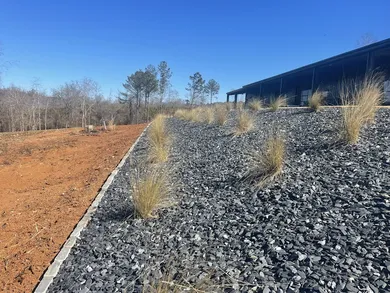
x,y
387,91
305,95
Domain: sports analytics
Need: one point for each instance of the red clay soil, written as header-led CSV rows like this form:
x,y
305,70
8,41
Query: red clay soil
x,y
47,181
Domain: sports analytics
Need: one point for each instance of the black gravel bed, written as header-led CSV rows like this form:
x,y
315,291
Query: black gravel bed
x,y
322,226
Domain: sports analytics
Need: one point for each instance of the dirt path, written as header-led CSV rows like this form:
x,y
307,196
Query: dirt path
x,y
47,181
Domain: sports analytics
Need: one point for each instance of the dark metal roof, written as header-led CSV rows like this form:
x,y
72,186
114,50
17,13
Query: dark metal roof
x,y
238,91
375,46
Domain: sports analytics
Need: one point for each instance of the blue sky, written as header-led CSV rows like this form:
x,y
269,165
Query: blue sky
x,y
234,42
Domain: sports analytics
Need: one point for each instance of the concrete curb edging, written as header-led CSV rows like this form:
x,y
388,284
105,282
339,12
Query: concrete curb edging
x,y
54,267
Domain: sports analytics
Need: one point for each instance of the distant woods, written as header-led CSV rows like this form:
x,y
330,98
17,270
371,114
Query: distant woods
x,y
78,103
74,104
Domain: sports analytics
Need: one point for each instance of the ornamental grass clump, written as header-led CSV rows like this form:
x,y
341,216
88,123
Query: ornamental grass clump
x,y
255,104
268,163
206,115
220,115
315,101
159,140
180,114
245,122
360,101
280,101
150,192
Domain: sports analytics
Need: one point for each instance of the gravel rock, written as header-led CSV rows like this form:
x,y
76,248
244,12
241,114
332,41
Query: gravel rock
x,y
322,226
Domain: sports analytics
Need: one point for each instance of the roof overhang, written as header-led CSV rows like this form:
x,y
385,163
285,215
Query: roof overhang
x,y
359,51
236,92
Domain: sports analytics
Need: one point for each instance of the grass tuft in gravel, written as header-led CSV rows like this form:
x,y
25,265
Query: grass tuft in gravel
x,y
280,101
360,101
207,115
245,122
315,101
220,115
255,104
185,114
180,113
159,140
150,193
268,163
240,105
229,106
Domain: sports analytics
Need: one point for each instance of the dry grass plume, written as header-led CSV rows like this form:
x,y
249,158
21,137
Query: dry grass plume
x,y
316,101
245,122
280,101
229,106
207,115
150,193
159,140
255,104
268,163
220,115
360,101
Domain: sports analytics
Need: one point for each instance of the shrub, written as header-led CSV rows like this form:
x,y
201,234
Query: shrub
x,y
244,122
220,115
255,104
268,163
159,140
360,101
229,106
150,193
315,101
280,101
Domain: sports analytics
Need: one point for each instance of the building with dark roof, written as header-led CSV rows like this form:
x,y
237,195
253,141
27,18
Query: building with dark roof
x,y
298,84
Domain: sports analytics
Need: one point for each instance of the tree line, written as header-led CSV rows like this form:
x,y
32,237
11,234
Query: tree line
x,y
79,103
74,104
140,86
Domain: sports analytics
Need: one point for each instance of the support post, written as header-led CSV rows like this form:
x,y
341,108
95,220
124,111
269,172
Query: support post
x,y
281,86
369,63
227,98
312,80
235,98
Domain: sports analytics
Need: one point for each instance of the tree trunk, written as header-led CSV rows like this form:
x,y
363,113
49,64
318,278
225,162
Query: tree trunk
x,y
47,104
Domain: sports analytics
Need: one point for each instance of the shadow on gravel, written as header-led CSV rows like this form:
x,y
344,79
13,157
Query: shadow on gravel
x,y
324,146
300,112
119,215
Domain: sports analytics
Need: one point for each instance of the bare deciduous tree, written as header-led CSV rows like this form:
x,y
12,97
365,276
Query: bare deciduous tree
x,y
366,39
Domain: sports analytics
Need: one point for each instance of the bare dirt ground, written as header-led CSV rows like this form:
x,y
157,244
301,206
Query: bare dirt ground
x,y
47,181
